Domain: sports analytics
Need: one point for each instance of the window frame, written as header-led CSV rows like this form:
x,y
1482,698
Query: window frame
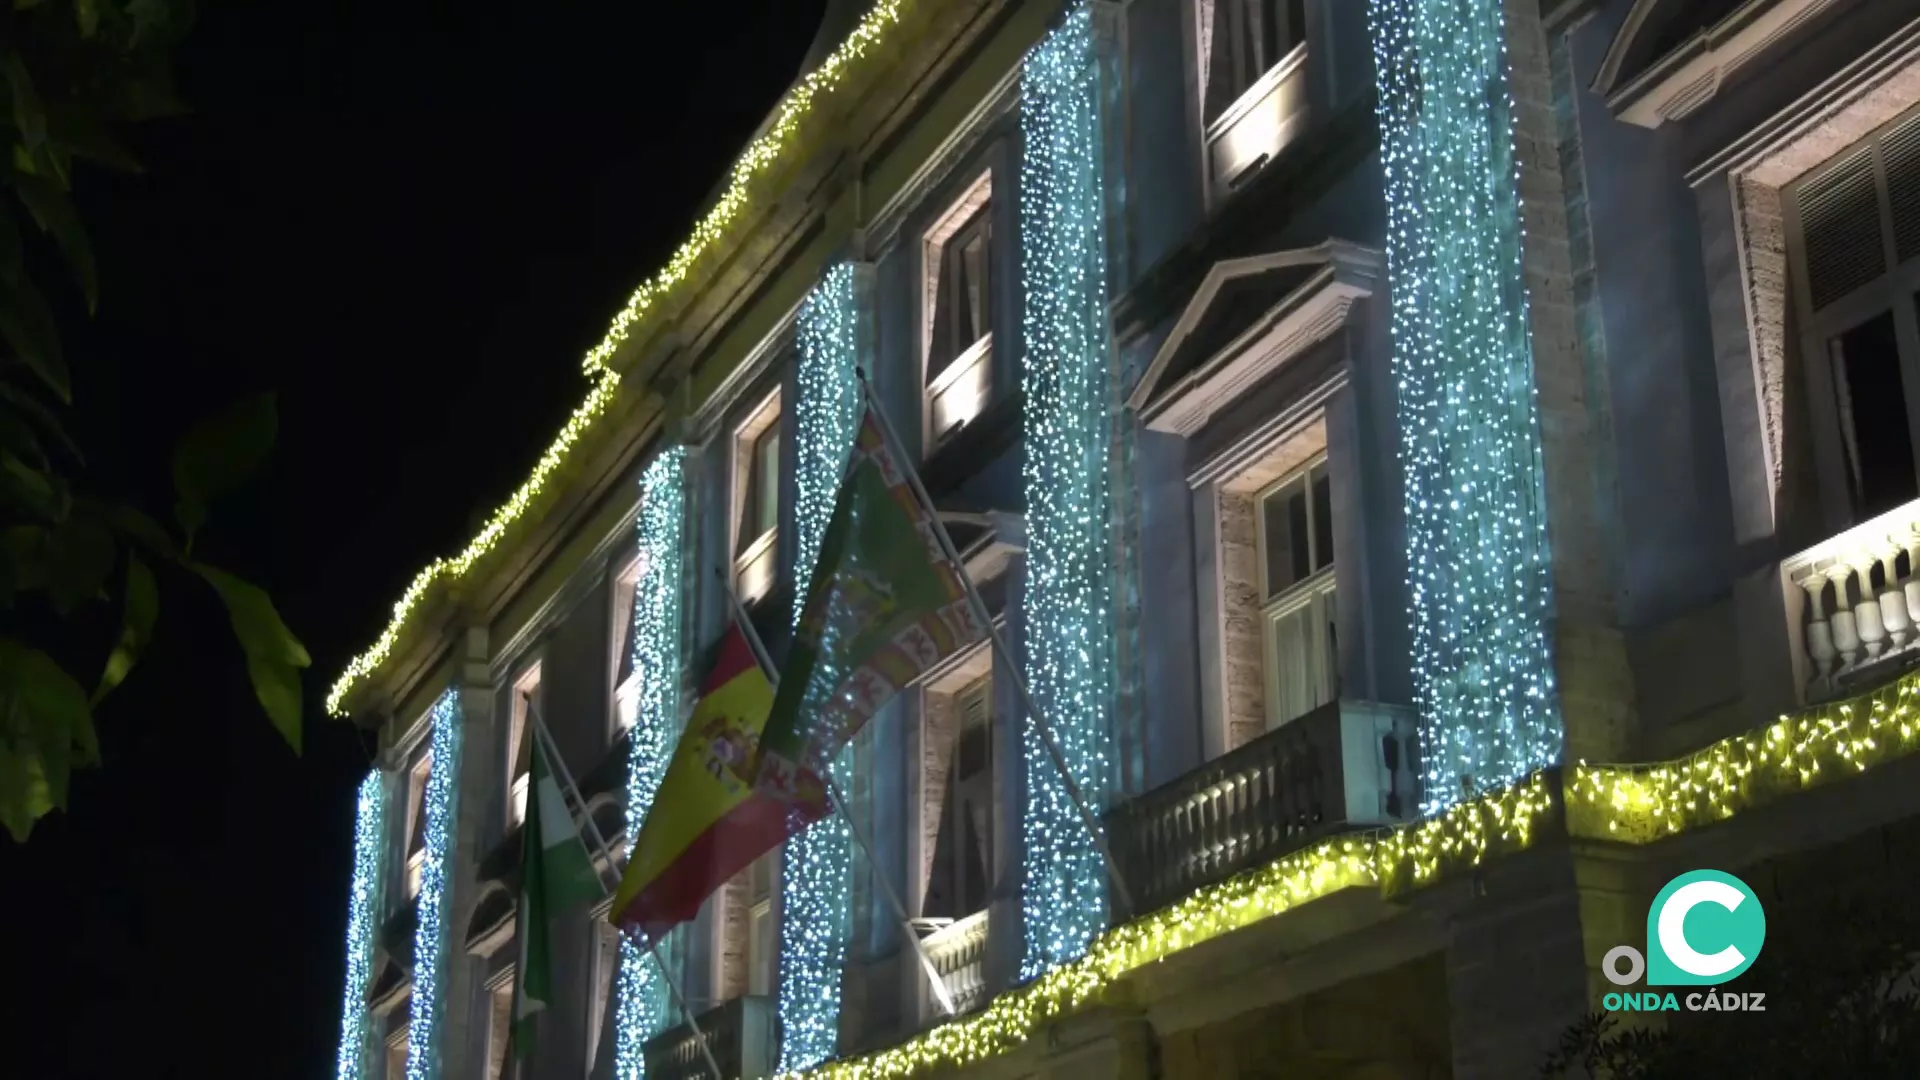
x,y
1317,590
763,970
526,698
623,693
971,212
413,860
955,799
761,550
1895,291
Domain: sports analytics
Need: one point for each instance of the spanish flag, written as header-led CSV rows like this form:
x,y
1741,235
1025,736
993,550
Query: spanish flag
x,y
707,822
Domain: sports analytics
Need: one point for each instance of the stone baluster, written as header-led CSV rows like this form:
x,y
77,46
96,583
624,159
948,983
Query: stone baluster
x,y
1893,602
1866,613
1846,636
1819,632
1913,573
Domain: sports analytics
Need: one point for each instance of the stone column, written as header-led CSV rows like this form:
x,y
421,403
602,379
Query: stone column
x,y
1595,682
466,1017
1524,952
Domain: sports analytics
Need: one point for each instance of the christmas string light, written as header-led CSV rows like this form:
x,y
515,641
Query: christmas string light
x,y
795,120
1389,860
442,809
1066,377
363,913
817,870
1479,573
641,1009
1639,804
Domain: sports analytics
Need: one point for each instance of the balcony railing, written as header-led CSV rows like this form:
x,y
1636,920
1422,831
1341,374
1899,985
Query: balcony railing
x,y
959,953
1344,765
1860,609
740,1034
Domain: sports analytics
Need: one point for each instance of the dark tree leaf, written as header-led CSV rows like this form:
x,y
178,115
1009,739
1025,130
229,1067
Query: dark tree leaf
x,y
220,454
58,720
136,627
56,216
27,324
80,560
274,655
28,115
43,418
27,490
23,565
82,132
12,253
131,523
24,798
87,12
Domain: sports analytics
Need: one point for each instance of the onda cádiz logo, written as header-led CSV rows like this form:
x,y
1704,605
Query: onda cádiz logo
x,y
1705,928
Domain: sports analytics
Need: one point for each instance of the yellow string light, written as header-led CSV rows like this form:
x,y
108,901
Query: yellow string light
x,y
1637,804
776,144
1389,860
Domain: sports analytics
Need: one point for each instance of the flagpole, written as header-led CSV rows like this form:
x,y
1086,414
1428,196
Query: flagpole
x,y
934,980
1045,729
606,851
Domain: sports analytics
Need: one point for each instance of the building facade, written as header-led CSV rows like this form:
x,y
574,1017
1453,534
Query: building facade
x,y
1370,426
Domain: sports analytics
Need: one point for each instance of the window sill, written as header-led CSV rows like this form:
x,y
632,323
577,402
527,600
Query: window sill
x,y
1263,121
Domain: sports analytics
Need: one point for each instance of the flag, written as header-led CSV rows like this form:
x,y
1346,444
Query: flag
x,y
556,873
886,604
707,822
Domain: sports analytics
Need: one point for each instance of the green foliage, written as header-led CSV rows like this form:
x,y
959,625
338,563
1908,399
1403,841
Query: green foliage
x,y
70,73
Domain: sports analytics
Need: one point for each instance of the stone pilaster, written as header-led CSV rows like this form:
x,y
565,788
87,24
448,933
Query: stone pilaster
x,y
465,1022
1105,1044
1595,682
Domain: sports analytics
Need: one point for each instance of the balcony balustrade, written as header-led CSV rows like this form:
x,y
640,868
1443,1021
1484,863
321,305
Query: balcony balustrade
x,y
1858,603
1343,766
959,953
739,1032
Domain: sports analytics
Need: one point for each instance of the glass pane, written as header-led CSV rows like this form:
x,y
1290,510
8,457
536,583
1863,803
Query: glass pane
x,y
1293,664
766,481
973,279
1874,433
1283,25
1284,524
1322,518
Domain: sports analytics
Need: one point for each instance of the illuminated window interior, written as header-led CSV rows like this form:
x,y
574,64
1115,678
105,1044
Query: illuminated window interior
x,y
963,840
763,940
959,312
1295,523
626,678
520,736
417,822
757,501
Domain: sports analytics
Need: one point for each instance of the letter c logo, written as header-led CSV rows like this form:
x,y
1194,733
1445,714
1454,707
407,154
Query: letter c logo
x,y
1704,928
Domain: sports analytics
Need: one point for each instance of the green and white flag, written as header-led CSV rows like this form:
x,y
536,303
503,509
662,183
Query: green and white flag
x,y
556,873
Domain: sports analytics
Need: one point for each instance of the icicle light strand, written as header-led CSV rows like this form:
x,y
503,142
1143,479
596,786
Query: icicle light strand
x,y
642,1006
1479,574
817,872
783,140
363,913
441,806
1066,376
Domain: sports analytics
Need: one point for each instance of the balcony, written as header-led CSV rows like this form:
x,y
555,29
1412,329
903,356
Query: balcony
x,y
958,951
740,1034
1346,765
1853,611
1258,125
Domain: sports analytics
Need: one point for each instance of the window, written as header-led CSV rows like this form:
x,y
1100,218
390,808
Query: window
x,y
963,846
757,501
520,736
1251,37
959,312
417,822
626,678
499,1030
1295,522
763,944
397,1043
1857,268
1253,85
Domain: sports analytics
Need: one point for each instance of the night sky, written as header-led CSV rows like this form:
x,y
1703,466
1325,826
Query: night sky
x,y
410,221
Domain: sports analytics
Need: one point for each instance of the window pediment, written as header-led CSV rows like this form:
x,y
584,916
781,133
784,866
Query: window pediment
x,y
1248,318
1670,57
